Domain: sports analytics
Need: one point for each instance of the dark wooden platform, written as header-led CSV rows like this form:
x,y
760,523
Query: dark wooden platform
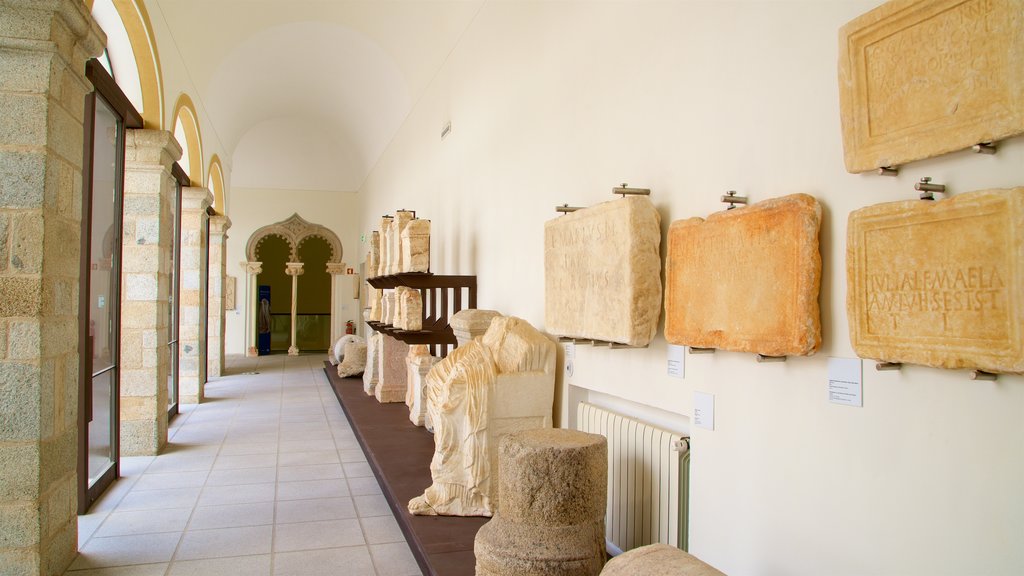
x,y
399,454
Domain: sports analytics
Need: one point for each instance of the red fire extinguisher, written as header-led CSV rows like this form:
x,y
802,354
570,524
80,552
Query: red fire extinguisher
x,y
350,328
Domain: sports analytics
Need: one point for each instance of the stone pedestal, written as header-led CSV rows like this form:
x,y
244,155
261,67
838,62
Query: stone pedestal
x,y
470,323
391,378
192,309
371,374
149,189
416,246
417,366
551,521
42,87
658,560
215,296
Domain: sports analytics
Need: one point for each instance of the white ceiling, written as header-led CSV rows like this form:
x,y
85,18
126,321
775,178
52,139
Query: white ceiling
x,y
307,94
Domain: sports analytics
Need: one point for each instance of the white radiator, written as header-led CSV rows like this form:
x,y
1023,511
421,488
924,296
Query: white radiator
x,y
648,479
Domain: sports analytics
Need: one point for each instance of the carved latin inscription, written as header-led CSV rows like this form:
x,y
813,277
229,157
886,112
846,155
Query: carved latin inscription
x,y
747,280
939,283
919,78
602,272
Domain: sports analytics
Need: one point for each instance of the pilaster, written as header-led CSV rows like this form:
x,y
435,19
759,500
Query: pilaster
x,y
145,281
218,271
43,49
192,311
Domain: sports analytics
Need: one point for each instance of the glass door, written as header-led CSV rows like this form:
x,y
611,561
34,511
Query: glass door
x,y
99,299
173,292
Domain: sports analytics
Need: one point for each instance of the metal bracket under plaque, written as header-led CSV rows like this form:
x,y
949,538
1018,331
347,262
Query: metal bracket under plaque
x,y
732,199
625,190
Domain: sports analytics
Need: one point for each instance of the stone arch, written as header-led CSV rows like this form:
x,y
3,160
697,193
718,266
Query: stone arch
x,y
295,230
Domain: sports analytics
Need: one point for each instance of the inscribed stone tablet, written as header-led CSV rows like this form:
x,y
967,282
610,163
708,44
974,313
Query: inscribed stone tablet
x,y
939,283
919,78
747,279
602,272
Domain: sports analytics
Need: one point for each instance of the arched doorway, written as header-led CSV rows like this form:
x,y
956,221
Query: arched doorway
x,y
312,309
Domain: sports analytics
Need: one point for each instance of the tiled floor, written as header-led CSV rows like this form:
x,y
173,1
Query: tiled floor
x,y
264,478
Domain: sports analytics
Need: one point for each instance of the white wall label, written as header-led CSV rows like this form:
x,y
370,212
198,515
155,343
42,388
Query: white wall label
x,y
845,381
676,361
704,410
570,357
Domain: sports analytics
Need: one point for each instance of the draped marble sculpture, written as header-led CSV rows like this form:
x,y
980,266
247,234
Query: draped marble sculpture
x,y
499,383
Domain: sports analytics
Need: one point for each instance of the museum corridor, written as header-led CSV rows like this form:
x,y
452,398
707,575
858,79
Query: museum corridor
x,y
264,478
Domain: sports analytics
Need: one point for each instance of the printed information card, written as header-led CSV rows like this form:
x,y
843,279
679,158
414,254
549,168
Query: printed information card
x,y
844,381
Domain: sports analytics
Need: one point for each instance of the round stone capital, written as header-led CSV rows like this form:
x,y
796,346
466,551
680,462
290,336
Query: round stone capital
x,y
335,268
294,268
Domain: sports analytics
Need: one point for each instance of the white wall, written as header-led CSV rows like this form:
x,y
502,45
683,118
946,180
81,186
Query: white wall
x,y
253,208
557,102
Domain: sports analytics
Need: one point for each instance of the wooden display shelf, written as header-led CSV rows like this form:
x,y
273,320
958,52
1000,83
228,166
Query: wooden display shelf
x,y
442,296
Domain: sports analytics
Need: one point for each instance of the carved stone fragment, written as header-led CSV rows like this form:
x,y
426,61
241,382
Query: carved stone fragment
x,y
410,309
919,78
602,272
747,280
402,219
354,362
372,370
658,560
416,246
554,486
392,381
499,383
384,264
388,305
376,304
373,260
939,283
418,365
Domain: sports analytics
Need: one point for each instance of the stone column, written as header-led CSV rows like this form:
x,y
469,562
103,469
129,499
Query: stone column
x,y
42,88
553,486
218,271
192,311
146,256
294,269
337,321
251,269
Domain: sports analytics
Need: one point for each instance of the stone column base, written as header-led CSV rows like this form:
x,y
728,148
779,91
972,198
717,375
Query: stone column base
x,y
252,352
293,351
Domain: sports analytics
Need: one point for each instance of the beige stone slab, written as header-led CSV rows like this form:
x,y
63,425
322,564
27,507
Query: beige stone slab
x,y
602,272
416,246
919,78
747,280
939,283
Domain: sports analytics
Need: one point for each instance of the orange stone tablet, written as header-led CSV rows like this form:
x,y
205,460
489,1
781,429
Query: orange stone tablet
x,y
919,78
747,279
602,272
939,283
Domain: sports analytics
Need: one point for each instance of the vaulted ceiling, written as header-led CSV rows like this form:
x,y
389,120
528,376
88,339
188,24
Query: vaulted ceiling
x,y
307,94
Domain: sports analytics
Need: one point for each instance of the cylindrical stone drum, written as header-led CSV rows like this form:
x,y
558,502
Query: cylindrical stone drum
x,y
550,520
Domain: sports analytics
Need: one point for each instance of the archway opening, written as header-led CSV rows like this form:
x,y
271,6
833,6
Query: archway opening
x,y
273,296
313,327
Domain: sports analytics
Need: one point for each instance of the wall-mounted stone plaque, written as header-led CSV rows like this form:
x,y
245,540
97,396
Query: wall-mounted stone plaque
x,y
939,283
747,280
919,78
602,272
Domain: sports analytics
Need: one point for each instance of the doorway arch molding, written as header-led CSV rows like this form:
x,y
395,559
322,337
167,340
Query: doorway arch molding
x,y
295,230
